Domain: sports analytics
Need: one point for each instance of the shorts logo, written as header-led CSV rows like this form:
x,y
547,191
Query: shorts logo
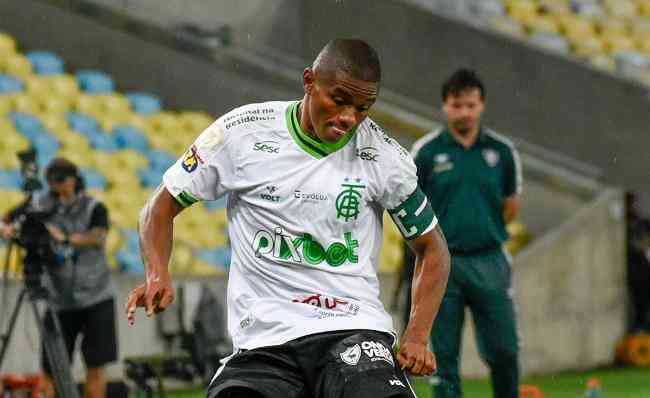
x,y
348,201
266,146
191,160
352,355
396,382
376,351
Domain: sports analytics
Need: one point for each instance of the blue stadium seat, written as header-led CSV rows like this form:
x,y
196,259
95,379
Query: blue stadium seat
x,y
150,178
27,124
95,82
160,160
11,179
94,179
144,103
9,84
127,137
101,141
131,240
129,262
45,63
82,123
219,257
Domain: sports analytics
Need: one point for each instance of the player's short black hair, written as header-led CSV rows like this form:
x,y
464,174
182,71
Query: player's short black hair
x,y
461,80
354,57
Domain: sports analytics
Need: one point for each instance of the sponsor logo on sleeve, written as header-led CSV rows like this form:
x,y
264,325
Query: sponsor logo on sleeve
x,y
368,153
267,147
191,159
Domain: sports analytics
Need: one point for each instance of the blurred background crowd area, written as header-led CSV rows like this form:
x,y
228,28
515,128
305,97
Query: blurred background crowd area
x,y
613,35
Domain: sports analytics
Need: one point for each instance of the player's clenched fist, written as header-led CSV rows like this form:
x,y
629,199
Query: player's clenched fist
x,y
416,359
154,296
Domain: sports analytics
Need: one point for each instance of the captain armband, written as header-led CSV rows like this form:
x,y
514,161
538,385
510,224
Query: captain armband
x,y
185,199
414,216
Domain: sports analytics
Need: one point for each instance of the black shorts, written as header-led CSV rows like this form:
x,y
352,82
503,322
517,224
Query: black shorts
x,y
347,364
97,325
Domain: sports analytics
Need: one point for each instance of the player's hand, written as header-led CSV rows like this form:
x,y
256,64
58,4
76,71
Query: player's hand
x,y
415,358
154,296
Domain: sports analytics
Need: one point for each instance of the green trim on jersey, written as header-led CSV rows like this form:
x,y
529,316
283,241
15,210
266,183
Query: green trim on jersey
x,y
414,217
312,146
186,199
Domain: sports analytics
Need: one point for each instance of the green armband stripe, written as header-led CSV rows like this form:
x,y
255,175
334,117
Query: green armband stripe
x,y
414,216
185,199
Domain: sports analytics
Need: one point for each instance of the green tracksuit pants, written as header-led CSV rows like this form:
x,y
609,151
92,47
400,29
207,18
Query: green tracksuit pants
x,y
482,283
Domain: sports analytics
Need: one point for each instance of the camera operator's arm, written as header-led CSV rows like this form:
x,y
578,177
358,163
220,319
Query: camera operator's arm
x,y
98,229
156,240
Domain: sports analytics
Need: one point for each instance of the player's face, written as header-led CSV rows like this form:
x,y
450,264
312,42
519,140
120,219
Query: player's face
x,y
336,104
464,110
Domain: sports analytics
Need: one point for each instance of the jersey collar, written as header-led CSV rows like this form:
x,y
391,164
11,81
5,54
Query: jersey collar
x,y
309,144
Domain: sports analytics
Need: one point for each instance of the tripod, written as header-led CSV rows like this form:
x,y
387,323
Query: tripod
x,y
52,337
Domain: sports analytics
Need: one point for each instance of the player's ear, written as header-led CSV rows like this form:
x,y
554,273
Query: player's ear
x,y
308,80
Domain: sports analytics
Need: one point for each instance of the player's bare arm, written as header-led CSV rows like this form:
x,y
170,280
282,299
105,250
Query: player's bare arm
x,y
156,241
429,282
510,208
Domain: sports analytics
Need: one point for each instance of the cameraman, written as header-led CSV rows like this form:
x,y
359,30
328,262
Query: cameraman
x,y
81,291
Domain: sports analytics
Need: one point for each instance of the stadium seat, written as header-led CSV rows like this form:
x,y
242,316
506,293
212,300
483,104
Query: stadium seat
x,y
143,103
82,123
611,26
488,9
554,7
64,85
587,8
150,178
89,104
95,82
127,137
643,7
45,63
6,104
17,65
25,103
615,43
94,179
114,103
129,262
160,160
195,122
551,41
10,84
7,45
164,121
603,61
27,124
620,8
103,142
631,64
522,11
130,160
575,27
542,24
10,180
588,47
54,104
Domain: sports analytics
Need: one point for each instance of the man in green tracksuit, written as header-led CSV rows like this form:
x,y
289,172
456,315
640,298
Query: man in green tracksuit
x,y
472,177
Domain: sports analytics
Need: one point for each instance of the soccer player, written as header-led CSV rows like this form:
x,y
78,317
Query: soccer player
x,y
472,177
308,182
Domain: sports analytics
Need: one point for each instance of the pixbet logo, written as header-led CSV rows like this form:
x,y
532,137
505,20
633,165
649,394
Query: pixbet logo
x,y
304,248
368,153
267,146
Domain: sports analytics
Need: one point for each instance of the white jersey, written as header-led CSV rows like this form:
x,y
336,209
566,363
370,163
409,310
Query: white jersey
x,y
305,219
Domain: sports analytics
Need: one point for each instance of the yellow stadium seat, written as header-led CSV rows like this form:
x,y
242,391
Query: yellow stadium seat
x,y
37,85
65,85
616,42
522,10
195,122
588,47
620,8
603,61
164,121
55,123
556,7
114,103
7,45
79,157
18,65
643,7
5,104
54,104
610,25
114,240
508,26
130,160
109,120
543,23
26,103
138,121
643,43
89,104
10,199
575,27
